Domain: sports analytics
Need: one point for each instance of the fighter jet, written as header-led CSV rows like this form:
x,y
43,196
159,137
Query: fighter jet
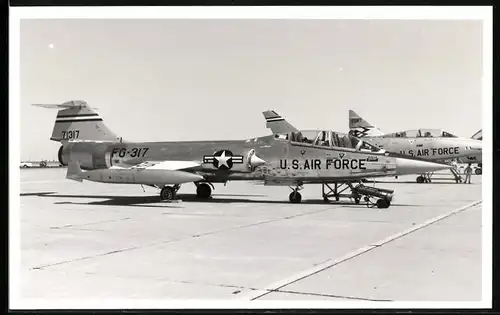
x,y
92,152
475,158
428,144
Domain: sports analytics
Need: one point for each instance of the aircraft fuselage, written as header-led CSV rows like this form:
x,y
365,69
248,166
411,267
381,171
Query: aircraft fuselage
x,y
221,161
429,148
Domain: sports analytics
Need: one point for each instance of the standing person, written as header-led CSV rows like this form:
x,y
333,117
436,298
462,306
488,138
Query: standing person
x,y
468,173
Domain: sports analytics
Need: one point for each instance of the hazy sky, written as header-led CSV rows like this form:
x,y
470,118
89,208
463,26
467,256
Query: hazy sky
x,y
211,79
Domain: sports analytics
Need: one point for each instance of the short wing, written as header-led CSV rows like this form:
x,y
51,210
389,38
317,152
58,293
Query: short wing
x,y
167,165
163,172
147,173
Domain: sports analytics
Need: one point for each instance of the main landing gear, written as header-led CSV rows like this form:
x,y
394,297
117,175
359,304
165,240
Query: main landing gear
x,y
169,193
478,171
426,177
204,190
381,198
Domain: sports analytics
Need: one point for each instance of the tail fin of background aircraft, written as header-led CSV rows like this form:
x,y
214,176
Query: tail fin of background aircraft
x,y
478,135
76,120
360,127
277,124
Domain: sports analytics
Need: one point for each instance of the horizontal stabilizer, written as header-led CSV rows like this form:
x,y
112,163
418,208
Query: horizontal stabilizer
x,y
70,104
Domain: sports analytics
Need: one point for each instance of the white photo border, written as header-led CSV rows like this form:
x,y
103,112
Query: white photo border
x,y
484,13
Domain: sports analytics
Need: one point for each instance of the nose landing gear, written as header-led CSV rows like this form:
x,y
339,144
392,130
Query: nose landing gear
x,y
295,196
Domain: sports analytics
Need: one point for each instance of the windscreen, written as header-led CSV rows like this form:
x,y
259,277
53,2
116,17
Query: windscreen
x,y
328,138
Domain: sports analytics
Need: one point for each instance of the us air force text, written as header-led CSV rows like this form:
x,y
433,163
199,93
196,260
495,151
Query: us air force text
x,y
433,151
317,164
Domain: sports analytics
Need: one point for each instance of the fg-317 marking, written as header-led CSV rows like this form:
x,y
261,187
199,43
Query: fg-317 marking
x,y
316,164
133,153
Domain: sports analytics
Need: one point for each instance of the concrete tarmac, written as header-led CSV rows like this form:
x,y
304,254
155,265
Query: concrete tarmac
x,y
102,241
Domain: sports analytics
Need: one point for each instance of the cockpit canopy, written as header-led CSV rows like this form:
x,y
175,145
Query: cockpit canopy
x,y
421,133
328,139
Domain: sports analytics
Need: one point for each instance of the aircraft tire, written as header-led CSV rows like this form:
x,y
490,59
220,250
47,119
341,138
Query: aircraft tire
x,y
295,197
203,191
420,179
167,193
478,171
382,204
357,200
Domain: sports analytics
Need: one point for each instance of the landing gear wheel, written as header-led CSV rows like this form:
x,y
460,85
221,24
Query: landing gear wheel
x,y
420,179
203,191
382,204
168,193
478,171
357,200
295,197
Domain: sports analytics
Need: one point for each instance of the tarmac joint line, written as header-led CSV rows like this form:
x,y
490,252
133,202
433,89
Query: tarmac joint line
x,y
85,224
277,286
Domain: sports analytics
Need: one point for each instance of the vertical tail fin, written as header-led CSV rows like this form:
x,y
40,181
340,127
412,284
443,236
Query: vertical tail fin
x,y
76,120
277,124
478,135
359,127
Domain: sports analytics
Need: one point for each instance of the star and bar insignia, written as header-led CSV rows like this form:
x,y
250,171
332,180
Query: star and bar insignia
x,y
223,159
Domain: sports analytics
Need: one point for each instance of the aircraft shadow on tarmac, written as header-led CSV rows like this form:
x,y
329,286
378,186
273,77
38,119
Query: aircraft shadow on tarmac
x,y
142,201
433,182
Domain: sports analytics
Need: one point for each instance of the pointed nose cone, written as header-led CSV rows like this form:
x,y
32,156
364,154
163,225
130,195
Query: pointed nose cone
x,y
410,166
256,161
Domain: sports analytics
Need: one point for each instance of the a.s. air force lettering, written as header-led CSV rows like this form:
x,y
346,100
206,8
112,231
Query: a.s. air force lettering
x,y
432,152
318,164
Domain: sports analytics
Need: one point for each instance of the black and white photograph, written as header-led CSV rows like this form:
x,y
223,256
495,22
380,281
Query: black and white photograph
x,y
250,157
